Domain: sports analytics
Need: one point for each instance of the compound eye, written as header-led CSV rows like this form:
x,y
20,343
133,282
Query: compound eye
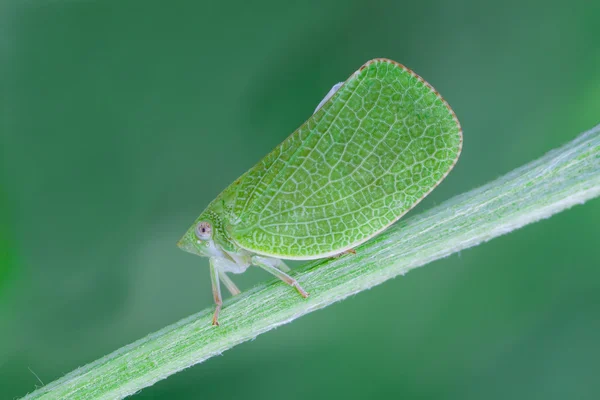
x,y
204,231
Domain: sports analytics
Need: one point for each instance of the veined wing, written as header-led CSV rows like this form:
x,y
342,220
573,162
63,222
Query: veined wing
x,y
242,193
370,154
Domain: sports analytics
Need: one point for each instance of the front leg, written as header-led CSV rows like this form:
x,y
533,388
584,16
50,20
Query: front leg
x,y
223,265
233,289
271,266
218,266
216,289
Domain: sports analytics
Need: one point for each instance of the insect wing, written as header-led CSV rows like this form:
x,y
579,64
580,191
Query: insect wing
x,y
369,155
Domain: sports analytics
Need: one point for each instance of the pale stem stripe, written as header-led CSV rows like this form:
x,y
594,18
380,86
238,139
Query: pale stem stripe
x,y
562,178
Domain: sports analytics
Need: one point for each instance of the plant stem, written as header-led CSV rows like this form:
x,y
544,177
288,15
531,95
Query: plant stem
x,y
562,178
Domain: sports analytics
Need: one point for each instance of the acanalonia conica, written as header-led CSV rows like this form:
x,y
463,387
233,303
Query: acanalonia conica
x,y
375,146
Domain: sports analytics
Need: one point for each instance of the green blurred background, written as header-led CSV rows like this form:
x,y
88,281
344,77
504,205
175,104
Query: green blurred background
x,y
121,120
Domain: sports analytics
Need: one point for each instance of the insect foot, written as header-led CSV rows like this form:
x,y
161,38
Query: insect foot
x,y
349,251
215,320
302,292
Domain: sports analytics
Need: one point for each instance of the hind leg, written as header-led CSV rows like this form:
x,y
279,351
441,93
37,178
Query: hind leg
x,y
271,266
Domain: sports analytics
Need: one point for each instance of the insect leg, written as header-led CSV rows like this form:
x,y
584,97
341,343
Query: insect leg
x,y
328,95
281,265
216,289
233,289
222,265
269,265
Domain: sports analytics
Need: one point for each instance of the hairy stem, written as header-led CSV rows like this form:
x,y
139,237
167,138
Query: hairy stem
x,y
562,178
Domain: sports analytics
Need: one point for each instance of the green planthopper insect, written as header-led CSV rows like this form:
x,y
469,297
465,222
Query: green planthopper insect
x,y
376,145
